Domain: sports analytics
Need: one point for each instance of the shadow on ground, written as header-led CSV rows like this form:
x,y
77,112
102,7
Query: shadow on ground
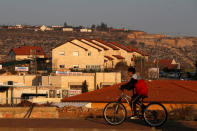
x,y
171,125
168,126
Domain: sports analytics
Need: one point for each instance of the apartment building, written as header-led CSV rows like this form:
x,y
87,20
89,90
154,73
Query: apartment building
x,y
92,54
77,54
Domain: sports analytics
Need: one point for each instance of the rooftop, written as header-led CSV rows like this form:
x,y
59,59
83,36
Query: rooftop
x,y
164,91
90,41
109,58
132,49
118,56
107,44
167,63
28,50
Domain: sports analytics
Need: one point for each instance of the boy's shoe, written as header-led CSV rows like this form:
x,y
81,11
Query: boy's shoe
x,y
134,117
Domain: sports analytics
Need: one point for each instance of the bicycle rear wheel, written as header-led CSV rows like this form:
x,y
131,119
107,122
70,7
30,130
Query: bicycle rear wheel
x,y
114,113
155,114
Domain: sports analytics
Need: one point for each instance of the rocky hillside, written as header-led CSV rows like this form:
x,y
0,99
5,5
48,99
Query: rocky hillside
x,y
182,49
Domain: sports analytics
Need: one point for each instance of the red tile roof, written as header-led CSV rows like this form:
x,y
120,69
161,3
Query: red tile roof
x,y
167,63
90,45
79,46
108,57
132,49
107,44
128,48
120,46
118,56
95,43
165,91
27,50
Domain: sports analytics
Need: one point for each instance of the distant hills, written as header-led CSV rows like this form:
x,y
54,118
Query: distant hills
x,y
182,49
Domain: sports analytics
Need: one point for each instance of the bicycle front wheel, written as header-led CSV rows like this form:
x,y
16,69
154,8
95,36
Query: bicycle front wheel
x,y
155,114
114,113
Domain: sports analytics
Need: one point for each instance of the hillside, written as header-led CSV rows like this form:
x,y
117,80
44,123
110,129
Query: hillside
x,y
183,49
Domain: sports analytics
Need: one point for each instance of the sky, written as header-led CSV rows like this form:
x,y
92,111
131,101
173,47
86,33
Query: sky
x,y
173,17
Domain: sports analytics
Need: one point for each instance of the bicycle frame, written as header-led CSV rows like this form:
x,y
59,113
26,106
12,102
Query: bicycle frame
x,y
129,100
144,112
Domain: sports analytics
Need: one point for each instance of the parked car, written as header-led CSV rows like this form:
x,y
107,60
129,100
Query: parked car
x,y
173,75
162,74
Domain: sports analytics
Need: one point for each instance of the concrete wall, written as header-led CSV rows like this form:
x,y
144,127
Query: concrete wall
x,y
110,78
37,112
6,98
92,79
23,57
25,80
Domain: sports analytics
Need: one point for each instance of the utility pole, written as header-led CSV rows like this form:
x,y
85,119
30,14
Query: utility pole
x,y
157,59
34,66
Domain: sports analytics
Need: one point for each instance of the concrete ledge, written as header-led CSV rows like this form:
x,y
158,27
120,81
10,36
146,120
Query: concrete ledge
x,y
20,112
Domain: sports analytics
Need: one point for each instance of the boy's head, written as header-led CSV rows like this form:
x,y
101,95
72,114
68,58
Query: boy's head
x,y
131,71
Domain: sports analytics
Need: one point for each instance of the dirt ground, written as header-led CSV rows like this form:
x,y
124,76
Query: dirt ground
x,y
90,124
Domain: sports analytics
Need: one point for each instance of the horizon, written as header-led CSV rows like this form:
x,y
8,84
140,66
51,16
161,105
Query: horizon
x,y
171,17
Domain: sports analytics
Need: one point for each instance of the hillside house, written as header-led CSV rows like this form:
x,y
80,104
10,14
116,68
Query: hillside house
x,y
169,64
45,28
26,52
67,29
85,30
92,54
76,54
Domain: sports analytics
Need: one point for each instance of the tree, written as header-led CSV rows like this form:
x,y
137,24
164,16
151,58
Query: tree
x,y
65,24
84,87
142,66
93,26
122,67
102,27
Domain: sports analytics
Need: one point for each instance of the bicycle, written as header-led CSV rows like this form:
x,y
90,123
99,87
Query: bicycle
x,y
154,114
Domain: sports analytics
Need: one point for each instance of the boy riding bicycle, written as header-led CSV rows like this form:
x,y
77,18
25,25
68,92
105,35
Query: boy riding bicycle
x,y
140,87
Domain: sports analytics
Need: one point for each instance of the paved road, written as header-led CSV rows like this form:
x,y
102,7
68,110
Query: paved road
x,y
87,125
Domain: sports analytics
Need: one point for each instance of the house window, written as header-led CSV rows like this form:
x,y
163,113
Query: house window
x,y
75,53
52,93
89,53
62,66
61,53
98,67
64,93
87,66
75,66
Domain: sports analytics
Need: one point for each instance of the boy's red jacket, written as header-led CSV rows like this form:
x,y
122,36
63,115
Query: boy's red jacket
x,y
141,88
